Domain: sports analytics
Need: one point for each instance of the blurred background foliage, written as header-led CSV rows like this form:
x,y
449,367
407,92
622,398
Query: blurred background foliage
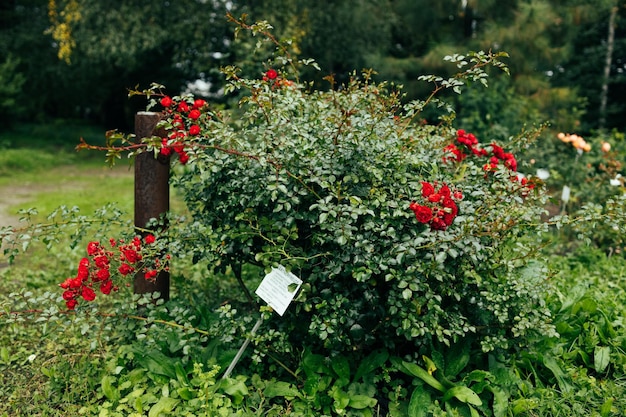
x,y
77,58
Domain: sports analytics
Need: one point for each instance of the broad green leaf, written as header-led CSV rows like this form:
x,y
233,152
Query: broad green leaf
x,y
234,387
108,389
341,366
163,407
463,394
422,374
523,405
419,403
601,358
185,393
560,376
280,389
359,401
371,363
456,359
342,399
500,401
156,362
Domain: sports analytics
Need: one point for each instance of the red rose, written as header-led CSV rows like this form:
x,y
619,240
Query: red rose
x,y
183,107
166,101
438,224
71,304
195,114
434,198
106,286
125,269
151,274
177,122
103,274
178,147
93,248
497,151
194,130
427,189
149,239
510,162
131,255
88,294
423,214
183,157
198,103
450,211
101,261
445,191
165,149
271,74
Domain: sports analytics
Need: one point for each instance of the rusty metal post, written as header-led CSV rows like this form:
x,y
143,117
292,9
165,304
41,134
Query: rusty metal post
x,y
152,196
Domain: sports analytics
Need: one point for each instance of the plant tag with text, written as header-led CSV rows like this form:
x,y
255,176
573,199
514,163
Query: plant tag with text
x,y
278,289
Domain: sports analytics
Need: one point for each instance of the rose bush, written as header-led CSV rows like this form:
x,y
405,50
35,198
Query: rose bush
x,y
404,232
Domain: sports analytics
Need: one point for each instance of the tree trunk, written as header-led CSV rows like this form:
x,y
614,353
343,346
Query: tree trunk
x,y
610,41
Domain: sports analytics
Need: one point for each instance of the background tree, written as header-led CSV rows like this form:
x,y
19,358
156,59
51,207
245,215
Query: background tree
x,y
557,50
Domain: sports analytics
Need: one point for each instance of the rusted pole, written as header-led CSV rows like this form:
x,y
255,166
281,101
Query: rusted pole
x,y
152,196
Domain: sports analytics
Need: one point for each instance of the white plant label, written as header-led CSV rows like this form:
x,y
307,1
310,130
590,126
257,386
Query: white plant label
x,y
278,289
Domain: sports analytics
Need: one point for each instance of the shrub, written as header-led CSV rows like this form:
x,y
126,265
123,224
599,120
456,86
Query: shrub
x,y
405,233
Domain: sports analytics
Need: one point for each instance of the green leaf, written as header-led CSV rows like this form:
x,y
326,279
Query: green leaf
x,y
419,403
463,394
601,358
163,407
341,366
500,401
156,362
371,363
4,354
342,399
185,393
280,389
605,410
421,373
560,376
108,389
235,388
457,359
359,401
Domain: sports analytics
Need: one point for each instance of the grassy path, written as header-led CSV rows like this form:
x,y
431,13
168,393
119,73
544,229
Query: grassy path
x,y
87,186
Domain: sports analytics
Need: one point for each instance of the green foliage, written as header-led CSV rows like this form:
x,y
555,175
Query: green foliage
x,y
321,182
11,82
582,371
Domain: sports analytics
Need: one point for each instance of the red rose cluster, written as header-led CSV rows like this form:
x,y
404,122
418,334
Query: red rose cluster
x,y
439,209
466,143
179,112
94,271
